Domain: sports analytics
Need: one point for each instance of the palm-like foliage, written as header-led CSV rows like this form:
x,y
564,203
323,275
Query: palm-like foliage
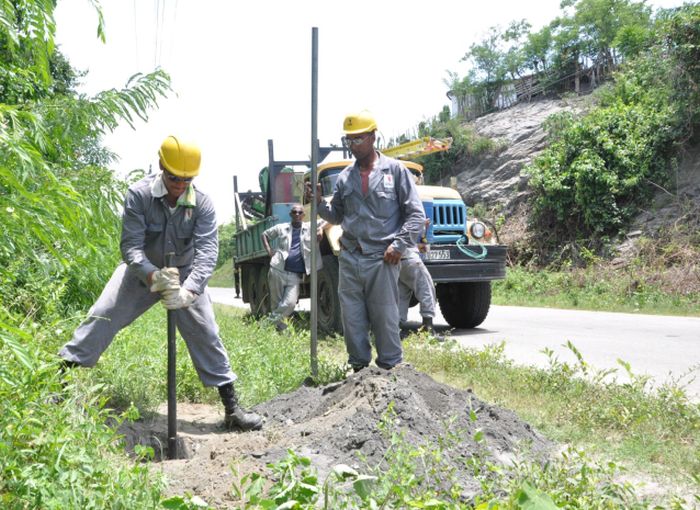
x,y
59,234
58,210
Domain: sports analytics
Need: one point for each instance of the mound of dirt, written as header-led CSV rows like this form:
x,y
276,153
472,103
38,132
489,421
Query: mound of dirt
x,y
334,424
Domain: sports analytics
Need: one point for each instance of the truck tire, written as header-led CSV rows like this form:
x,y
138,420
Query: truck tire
x,y
329,318
250,286
464,305
263,306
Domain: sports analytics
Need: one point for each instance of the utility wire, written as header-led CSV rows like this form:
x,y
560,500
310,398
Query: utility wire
x,y
162,30
136,38
173,30
156,5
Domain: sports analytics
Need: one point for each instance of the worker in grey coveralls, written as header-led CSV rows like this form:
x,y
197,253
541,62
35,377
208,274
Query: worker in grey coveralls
x,y
165,213
414,279
376,202
289,262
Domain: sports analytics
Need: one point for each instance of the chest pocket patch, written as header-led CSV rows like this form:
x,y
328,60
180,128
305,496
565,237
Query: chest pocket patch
x,y
184,233
386,203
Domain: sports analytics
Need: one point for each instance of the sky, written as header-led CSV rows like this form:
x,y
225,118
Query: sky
x,y
241,71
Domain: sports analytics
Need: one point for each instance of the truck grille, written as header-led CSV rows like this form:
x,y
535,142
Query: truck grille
x,y
448,219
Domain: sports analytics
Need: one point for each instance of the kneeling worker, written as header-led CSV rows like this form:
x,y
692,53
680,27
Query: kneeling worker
x,y
165,213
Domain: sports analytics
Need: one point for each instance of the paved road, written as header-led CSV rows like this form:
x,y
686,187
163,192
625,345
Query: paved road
x,y
662,347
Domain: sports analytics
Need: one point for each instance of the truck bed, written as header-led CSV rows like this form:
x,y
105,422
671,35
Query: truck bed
x,y
248,244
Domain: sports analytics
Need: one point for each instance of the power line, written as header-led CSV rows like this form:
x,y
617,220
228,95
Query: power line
x,y
156,5
162,30
136,37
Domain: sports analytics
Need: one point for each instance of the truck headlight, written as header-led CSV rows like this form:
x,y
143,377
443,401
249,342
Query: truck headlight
x,y
477,230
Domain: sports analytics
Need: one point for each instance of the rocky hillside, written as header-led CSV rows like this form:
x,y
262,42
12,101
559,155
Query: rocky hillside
x,y
497,180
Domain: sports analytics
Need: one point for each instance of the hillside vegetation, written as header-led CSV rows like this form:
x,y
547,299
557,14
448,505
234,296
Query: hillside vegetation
x,y
603,192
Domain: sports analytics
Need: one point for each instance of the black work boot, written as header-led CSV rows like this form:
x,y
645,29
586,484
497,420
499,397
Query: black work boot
x,y
427,326
404,330
236,417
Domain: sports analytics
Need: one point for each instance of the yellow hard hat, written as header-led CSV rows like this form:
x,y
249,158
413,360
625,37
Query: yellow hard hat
x,y
357,123
179,157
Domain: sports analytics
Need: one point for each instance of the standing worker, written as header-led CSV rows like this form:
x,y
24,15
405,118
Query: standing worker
x,y
376,202
414,279
289,262
165,213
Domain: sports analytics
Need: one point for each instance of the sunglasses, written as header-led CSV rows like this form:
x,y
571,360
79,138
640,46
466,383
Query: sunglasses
x,y
296,212
175,178
349,142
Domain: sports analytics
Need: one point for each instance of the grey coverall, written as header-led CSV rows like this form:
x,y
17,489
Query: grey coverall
x,y
284,285
414,278
149,231
390,214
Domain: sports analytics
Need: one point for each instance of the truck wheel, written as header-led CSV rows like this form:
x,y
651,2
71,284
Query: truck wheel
x,y
329,318
464,304
263,306
250,287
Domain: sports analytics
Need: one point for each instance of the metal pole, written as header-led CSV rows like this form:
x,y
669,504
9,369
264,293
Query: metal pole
x,y
314,181
172,394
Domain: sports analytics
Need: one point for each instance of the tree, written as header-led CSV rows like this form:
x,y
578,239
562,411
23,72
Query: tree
x,y
59,222
537,49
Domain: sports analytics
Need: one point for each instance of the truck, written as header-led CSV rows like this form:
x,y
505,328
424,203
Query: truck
x,y
463,256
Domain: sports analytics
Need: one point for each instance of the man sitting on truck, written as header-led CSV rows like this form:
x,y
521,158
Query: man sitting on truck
x,y
289,262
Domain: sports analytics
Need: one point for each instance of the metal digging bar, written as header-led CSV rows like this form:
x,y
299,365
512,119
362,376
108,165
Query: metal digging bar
x,y
172,394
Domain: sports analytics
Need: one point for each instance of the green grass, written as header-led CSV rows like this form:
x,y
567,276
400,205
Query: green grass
x,y
223,276
595,289
266,363
45,446
656,433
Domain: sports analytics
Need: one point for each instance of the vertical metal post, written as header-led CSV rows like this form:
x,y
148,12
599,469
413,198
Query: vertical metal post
x,y
172,394
314,181
271,179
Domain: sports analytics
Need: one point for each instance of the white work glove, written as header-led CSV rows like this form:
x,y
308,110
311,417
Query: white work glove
x,y
167,278
181,298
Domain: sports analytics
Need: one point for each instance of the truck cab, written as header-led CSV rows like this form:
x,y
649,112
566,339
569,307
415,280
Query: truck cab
x,y
461,256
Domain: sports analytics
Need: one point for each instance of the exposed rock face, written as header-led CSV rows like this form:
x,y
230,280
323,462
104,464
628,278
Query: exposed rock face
x,y
497,180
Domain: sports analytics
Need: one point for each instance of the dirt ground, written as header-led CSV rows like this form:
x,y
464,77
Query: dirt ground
x,y
330,425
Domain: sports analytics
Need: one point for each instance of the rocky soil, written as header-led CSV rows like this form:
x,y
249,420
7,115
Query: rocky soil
x,y
334,424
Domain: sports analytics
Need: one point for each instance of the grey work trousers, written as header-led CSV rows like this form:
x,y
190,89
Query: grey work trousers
x,y
414,279
368,292
123,300
284,292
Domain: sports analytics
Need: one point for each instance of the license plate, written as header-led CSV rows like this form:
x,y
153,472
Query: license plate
x,y
438,255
